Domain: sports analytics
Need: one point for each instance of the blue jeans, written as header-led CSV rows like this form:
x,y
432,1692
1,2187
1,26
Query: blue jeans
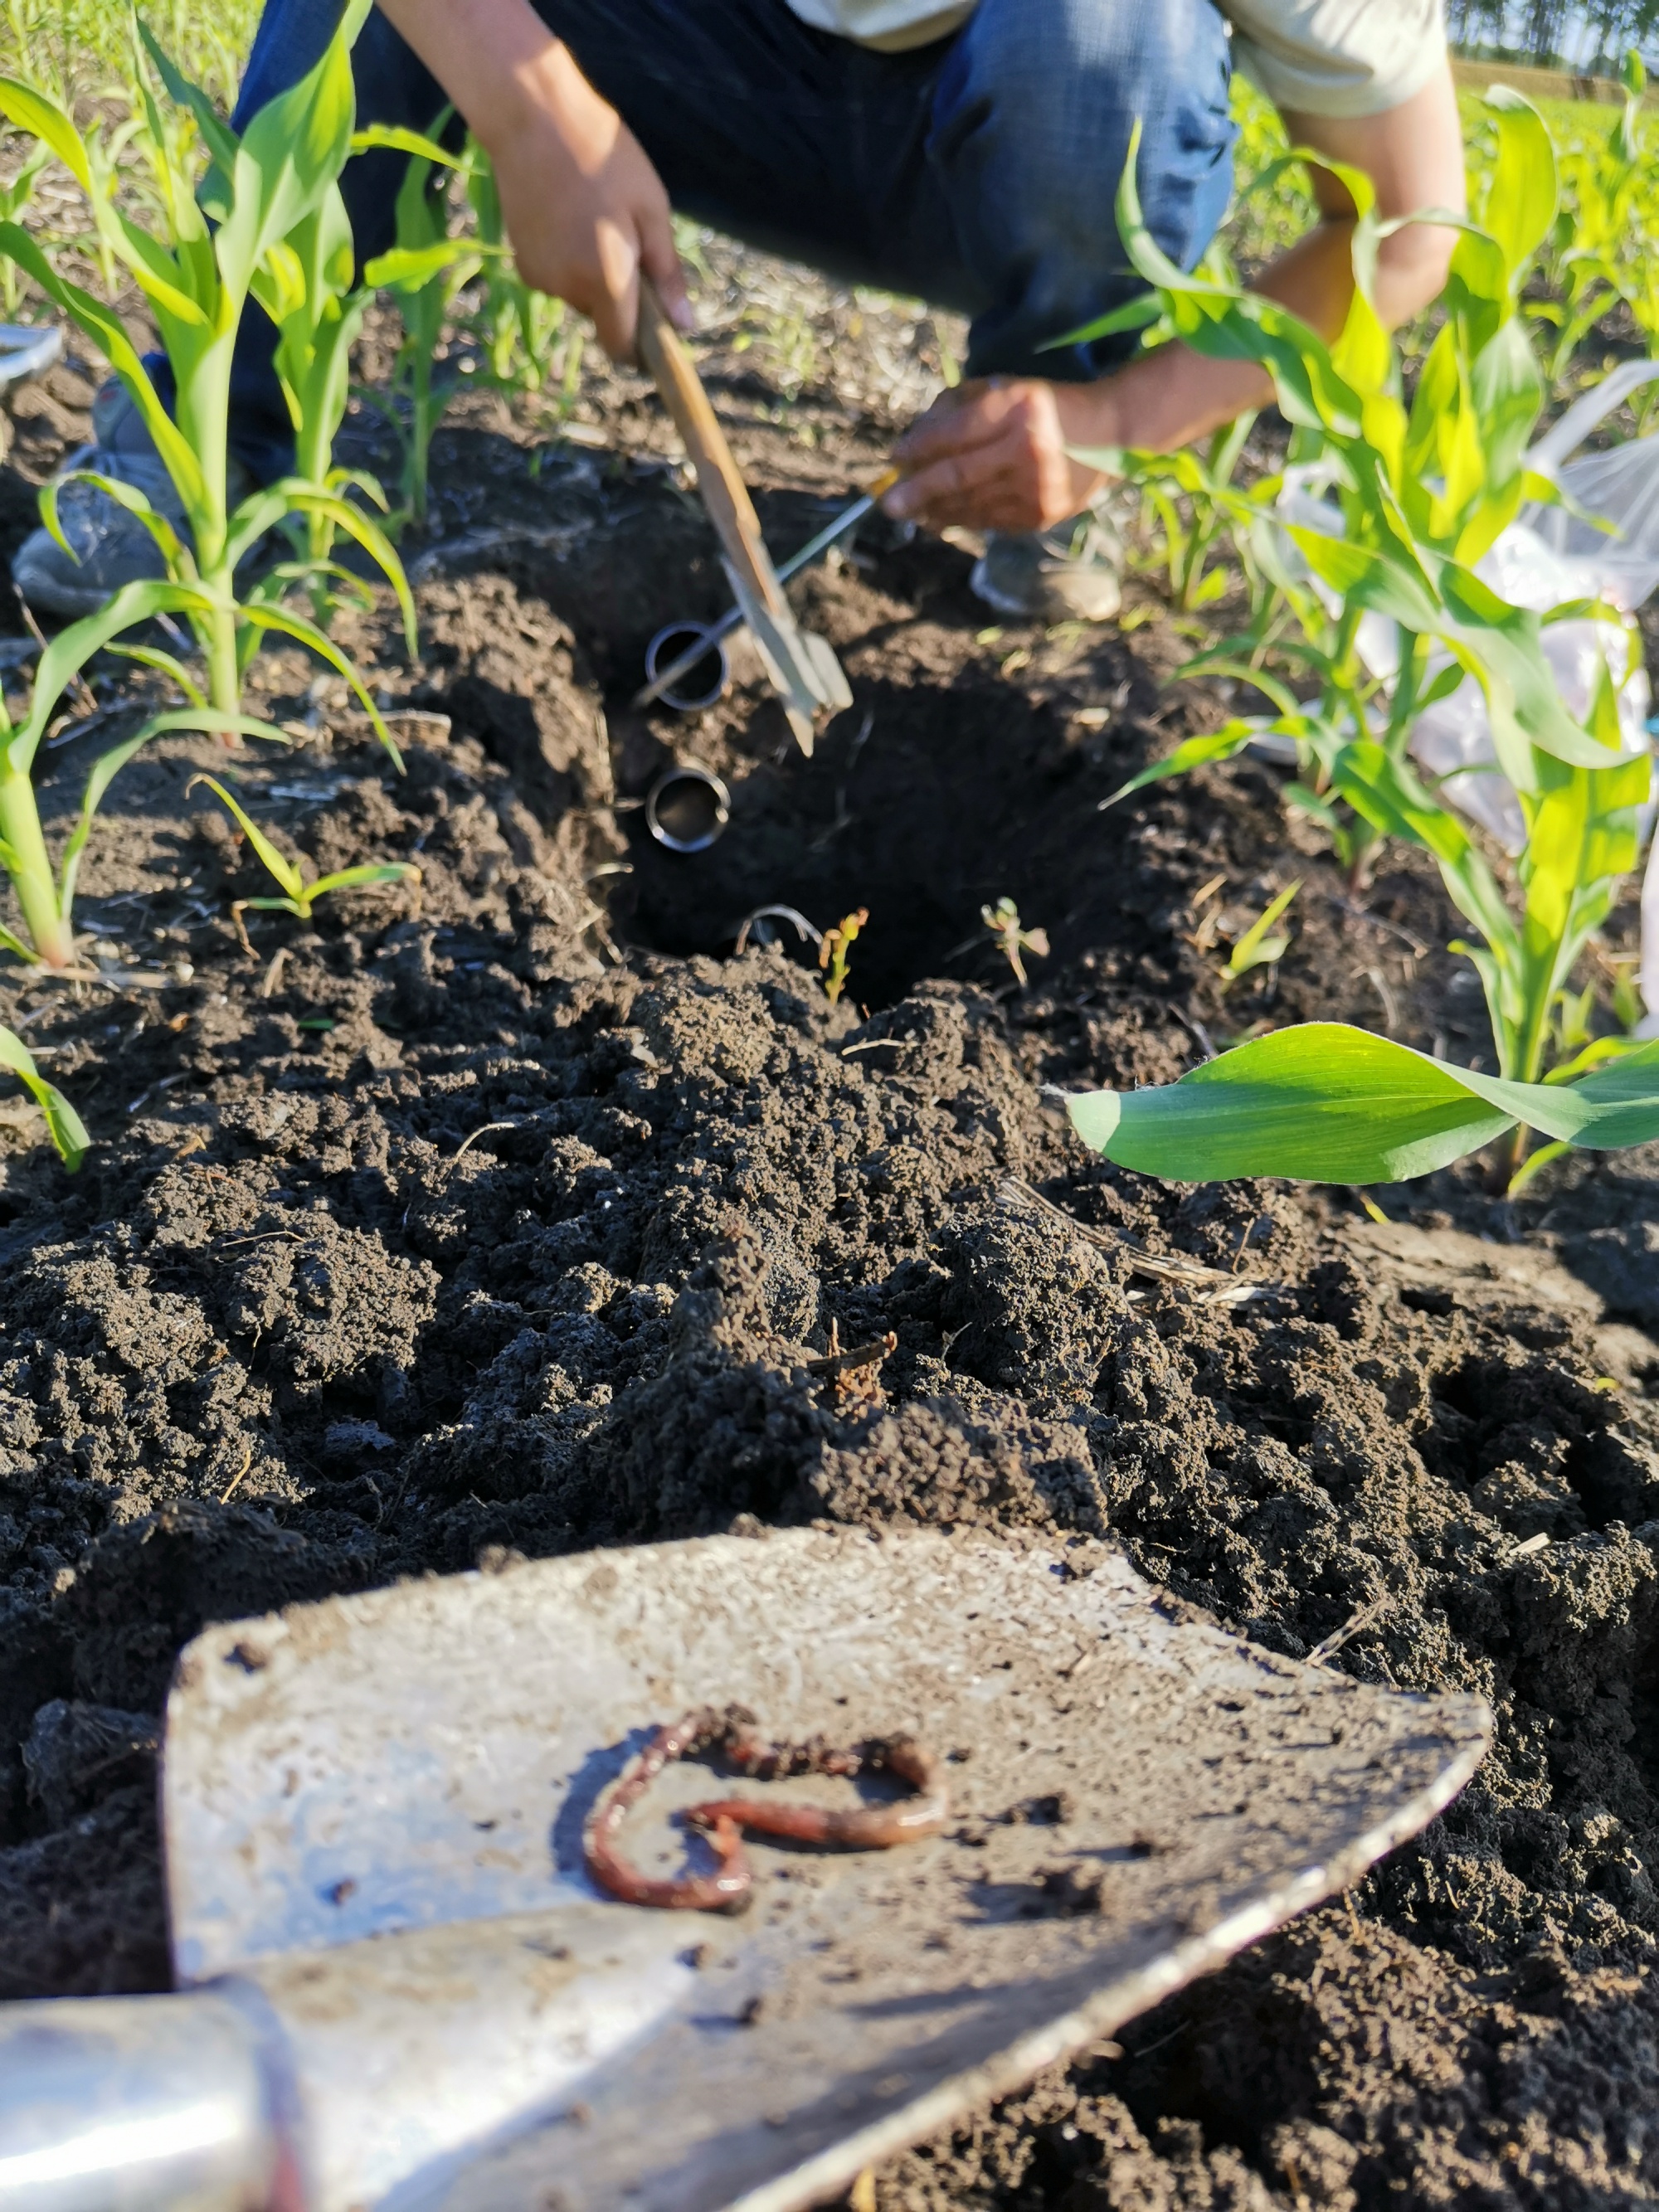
x,y
979,172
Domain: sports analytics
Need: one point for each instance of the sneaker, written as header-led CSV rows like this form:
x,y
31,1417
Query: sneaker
x,y
114,547
1072,573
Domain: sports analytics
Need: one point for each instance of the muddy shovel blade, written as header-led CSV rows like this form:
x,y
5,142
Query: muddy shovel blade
x,y
800,667
374,1810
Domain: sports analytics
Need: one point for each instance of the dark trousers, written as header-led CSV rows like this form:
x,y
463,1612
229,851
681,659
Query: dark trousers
x,y
979,172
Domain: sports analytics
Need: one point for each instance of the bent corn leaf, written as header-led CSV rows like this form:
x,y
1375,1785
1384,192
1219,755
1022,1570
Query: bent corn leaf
x,y
1323,1103
67,1130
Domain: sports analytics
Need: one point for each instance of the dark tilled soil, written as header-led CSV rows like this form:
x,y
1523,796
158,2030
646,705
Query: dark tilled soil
x,y
504,1212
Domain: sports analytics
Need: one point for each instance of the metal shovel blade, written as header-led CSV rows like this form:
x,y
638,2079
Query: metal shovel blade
x,y
374,1811
800,665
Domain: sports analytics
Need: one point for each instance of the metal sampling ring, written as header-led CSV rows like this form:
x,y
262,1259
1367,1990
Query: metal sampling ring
x,y
681,636
687,807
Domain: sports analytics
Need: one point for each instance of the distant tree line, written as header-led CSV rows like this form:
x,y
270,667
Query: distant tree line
x,y
1592,35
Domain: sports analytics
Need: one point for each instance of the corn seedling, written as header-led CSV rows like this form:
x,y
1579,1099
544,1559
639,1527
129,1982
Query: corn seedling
x,y
1258,946
1417,496
423,272
1421,494
833,946
1011,937
69,47
45,897
63,1125
519,328
14,198
264,197
299,894
1188,492
1590,241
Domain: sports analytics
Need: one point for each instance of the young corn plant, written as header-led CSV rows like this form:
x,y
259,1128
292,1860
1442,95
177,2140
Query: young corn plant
x,y
1423,494
1598,239
519,327
1191,494
14,198
424,273
1381,571
263,196
45,897
300,893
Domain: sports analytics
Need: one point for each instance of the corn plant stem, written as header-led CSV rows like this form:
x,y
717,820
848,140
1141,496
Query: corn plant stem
x,y
31,871
224,673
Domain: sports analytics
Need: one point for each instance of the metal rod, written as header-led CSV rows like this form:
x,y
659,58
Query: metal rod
x,y
732,619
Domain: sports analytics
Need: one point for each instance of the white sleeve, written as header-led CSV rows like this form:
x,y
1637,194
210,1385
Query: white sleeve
x,y
1338,58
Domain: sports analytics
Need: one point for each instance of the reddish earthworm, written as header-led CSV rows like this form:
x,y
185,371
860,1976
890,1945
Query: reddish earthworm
x,y
864,1827
724,1889
859,1827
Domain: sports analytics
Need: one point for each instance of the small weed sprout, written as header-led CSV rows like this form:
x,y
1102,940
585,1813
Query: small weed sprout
x,y
833,948
299,895
1258,947
1011,939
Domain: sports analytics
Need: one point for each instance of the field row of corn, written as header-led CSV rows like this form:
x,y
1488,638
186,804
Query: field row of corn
x,y
1384,579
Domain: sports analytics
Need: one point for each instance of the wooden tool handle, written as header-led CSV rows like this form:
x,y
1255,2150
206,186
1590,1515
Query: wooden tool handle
x,y
724,493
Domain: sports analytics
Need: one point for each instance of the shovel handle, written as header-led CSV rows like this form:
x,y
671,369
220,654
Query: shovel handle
x,y
724,492
147,2103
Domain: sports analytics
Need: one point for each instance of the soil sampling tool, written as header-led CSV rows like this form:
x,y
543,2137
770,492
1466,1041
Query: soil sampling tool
x,y
704,639
397,1988
801,666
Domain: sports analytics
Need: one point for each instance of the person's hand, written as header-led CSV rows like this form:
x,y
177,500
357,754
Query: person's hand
x,y
584,208
992,454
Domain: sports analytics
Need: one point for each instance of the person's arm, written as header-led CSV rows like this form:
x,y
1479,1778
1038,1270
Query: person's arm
x,y
584,208
993,454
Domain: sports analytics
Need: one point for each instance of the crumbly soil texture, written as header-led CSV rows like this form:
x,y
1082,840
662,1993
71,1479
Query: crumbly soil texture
x,y
504,1211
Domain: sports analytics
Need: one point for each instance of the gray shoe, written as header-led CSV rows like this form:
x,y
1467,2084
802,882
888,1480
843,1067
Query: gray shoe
x,y
1072,573
114,547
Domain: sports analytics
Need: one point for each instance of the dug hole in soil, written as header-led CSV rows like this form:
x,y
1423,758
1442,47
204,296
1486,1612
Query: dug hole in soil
x,y
502,1213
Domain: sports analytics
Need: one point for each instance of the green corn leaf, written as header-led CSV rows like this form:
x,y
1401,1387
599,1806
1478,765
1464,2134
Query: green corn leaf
x,y
1231,326
305,499
400,140
216,136
1324,1103
291,152
1133,315
1521,196
1191,753
277,864
33,112
165,664
108,766
64,1125
292,624
107,332
372,871
412,268
71,649
122,495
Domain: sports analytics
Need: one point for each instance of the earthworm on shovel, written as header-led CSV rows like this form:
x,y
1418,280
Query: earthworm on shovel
x,y
727,1889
